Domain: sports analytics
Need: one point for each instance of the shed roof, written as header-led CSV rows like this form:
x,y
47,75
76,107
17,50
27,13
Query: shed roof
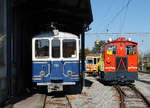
x,y
69,14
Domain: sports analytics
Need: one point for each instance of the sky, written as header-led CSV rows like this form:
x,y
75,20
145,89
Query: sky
x,y
117,17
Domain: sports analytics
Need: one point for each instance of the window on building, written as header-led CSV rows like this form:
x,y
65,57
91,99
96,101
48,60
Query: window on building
x,y
42,48
131,50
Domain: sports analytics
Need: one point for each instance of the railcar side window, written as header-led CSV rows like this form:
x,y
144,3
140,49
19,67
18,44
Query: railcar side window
x,y
131,50
56,48
89,61
69,48
111,50
42,48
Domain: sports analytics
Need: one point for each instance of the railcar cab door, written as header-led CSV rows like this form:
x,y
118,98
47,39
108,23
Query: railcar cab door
x,y
56,61
64,59
40,59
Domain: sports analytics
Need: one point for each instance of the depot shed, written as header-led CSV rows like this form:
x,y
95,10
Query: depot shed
x,y
20,20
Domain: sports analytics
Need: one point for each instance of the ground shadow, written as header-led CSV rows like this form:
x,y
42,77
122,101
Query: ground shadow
x,y
88,83
67,90
13,100
144,81
27,93
91,75
70,90
112,83
105,83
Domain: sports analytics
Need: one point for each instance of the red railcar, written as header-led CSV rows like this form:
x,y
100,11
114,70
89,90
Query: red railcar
x,y
121,61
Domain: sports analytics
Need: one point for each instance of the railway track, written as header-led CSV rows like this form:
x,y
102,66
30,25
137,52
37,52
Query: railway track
x,y
130,97
57,102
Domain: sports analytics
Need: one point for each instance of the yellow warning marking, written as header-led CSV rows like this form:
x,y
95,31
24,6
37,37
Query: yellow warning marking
x,y
36,76
39,62
75,75
71,62
74,78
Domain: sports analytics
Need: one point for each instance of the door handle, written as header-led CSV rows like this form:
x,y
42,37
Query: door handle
x,y
48,68
48,71
44,67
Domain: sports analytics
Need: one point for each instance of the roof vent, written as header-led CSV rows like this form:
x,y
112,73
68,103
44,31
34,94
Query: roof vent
x,y
56,32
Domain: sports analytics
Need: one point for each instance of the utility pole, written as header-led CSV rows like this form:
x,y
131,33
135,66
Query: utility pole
x,y
142,56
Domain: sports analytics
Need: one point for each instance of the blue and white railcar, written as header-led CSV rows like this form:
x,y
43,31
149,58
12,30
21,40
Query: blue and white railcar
x,y
55,60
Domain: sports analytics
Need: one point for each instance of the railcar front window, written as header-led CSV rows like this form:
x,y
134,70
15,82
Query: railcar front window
x,y
56,48
69,48
89,61
42,48
131,50
111,50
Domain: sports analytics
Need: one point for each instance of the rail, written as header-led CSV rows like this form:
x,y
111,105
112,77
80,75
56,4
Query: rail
x,y
56,103
140,95
121,95
44,104
69,103
124,97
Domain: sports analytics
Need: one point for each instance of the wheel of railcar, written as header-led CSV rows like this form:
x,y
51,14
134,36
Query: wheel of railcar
x,y
102,75
78,83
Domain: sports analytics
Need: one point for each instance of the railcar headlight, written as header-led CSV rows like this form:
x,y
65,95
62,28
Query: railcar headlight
x,y
129,39
42,73
69,73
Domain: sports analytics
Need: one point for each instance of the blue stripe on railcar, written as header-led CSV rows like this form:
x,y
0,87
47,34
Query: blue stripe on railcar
x,y
67,71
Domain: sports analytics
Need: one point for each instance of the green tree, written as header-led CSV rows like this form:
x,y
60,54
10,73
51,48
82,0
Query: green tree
x,y
98,47
87,52
146,60
139,58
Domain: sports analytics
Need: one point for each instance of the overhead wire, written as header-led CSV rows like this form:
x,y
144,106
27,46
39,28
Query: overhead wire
x,y
112,18
118,13
105,17
124,17
123,21
109,8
